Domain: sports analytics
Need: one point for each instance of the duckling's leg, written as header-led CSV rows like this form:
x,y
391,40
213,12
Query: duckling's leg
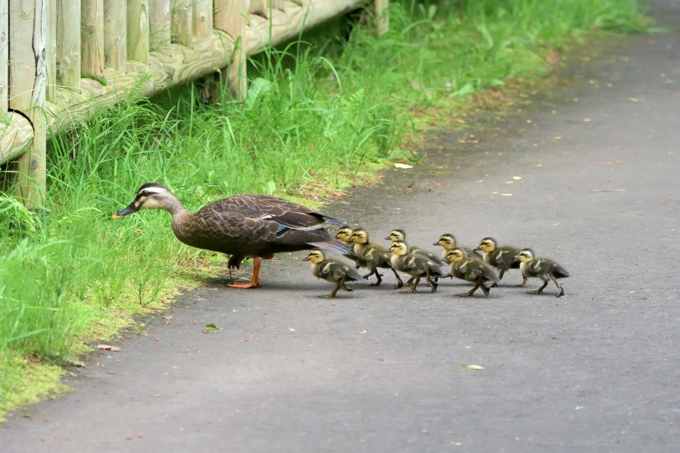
x,y
254,281
399,282
523,282
413,288
378,275
472,291
337,287
485,288
561,293
432,284
540,290
501,272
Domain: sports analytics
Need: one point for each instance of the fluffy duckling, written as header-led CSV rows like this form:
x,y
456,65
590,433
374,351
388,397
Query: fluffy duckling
x,y
414,264
332,271
344,235
448,241
400,236
502,258
543,268
375,256
471,270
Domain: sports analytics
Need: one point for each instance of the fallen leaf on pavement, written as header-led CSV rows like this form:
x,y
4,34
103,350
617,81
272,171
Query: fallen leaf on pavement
x,y
210,327
402,166
337,194
517,178
471,367
506,194
610,162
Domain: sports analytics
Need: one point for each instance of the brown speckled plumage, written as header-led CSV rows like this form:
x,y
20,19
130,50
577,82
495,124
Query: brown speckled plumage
x,y
242,225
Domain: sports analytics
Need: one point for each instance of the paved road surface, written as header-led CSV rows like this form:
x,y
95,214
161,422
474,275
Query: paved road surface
x,y
378,370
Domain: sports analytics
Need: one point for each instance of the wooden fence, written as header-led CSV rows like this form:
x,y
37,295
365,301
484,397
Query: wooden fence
x,y
63,60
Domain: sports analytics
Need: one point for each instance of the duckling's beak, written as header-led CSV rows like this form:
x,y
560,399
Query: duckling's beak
x,y
476,249
436,243
306,258
445,261
388,238
129,210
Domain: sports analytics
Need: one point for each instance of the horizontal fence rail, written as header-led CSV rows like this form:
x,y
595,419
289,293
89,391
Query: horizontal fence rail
x,y
61,61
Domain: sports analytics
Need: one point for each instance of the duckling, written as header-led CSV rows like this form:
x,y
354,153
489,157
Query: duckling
x,y
470,269
243,226
375,256
502,258
344,235
448,241
332,271
414,264
400,236
543,268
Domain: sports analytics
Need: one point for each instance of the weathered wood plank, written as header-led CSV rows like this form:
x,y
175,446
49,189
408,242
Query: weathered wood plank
x,y
159,24
182,22
231,18
138,30
381,16
27,79
203,18
16,133
4,56
51,50
115,34
92,37
68,43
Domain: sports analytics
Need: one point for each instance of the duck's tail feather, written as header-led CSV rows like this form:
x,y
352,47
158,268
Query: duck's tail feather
x,y
331,246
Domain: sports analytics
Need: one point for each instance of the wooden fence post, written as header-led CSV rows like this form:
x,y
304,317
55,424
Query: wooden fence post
x,y
159,23
182,21
115,34
203,18
138,30
27,79
231,16
51,54
68,43
92,38
382,17
4,57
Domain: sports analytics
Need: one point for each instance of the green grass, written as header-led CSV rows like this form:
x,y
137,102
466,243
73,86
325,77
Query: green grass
x,y
319,115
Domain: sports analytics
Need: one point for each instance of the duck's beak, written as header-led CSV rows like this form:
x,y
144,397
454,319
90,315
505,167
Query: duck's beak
x,y
445,261
306,258
436,243
129,210
477,249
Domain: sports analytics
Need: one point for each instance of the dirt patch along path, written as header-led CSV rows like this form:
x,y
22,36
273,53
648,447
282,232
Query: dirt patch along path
x,y
378,370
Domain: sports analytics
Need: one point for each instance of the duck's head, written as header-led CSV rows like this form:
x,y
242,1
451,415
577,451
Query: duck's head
x,y
447,241
487,245
344,234
396,235
149,196
454,255
359,236
526,255
399,248
315,256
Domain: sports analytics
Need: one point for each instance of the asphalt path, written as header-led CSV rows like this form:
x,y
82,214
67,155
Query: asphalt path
x,y
377,370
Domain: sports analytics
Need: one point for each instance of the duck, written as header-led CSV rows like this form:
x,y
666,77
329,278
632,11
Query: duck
x,y
344,235
471,270
373,255
243,226
414,264
331,270
543,268
502,258
448,241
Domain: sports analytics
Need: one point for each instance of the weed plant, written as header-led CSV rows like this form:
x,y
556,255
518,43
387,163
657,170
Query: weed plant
x,y
322,111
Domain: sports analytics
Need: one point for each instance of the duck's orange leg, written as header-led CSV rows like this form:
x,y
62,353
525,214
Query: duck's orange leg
x,y
255,280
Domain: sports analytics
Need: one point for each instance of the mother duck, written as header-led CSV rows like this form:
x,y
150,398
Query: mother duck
x,y
243,226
